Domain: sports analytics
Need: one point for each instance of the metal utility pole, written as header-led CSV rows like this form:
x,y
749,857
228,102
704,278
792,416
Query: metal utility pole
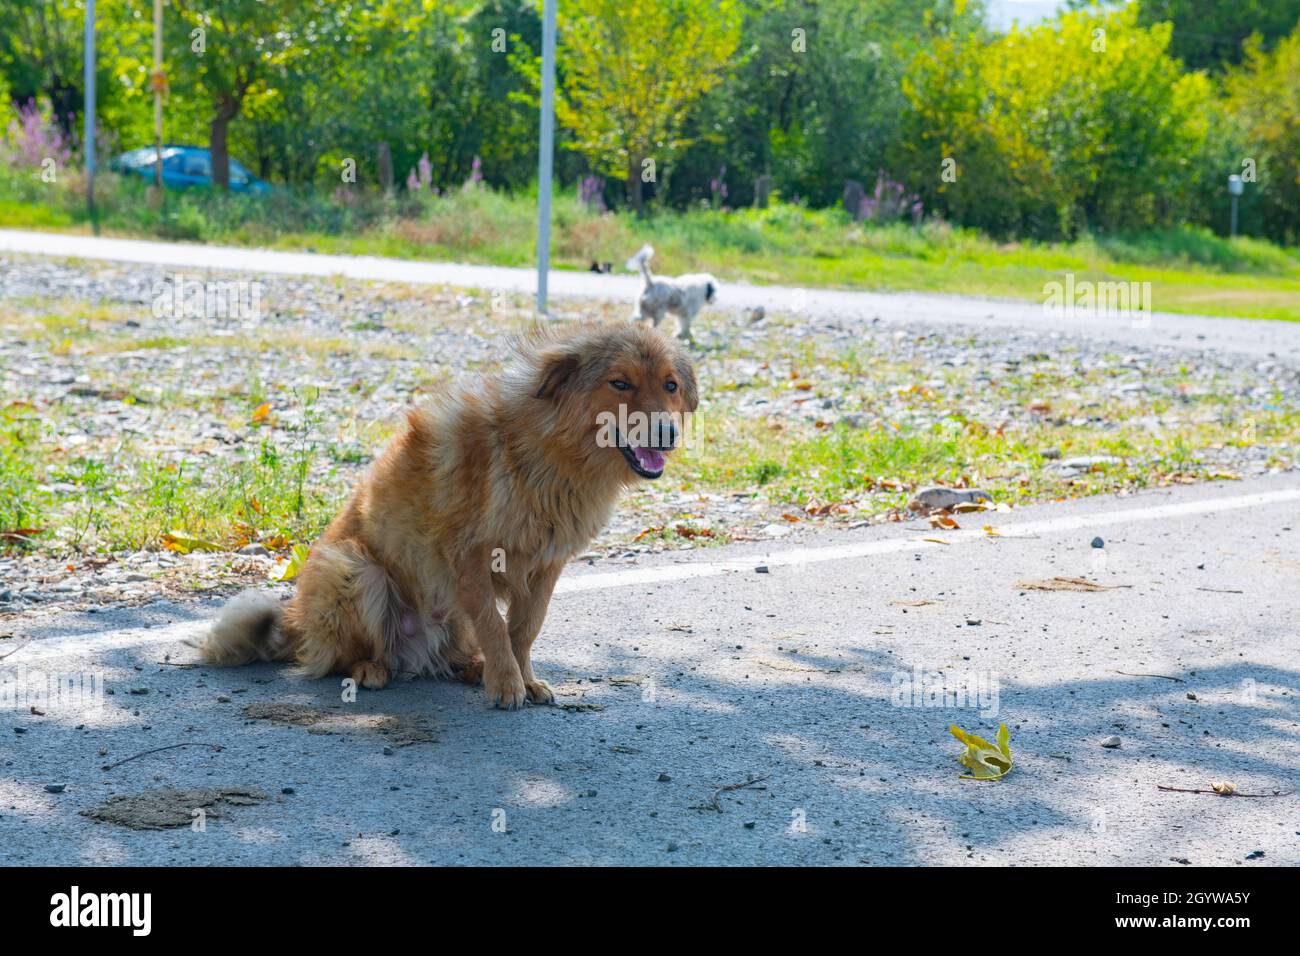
x,y
159,84
545,153
1235,189
89,111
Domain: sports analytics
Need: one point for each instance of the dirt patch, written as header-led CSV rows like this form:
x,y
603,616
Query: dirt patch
x,y
170,808
299,715
398,730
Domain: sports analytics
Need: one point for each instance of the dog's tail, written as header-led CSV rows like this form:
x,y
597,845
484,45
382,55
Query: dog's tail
x,y
642,261
248,629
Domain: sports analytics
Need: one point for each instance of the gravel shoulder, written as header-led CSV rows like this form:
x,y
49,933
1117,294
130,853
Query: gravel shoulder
x,y
122,422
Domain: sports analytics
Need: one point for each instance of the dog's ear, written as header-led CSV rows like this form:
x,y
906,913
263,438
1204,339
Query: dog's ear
x,y
557,367
690,388
709,292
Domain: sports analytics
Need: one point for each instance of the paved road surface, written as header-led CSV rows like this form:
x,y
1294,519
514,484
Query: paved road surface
x,y
1256,338
682,678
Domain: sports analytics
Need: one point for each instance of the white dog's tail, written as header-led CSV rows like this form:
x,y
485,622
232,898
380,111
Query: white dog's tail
x,y
642,261
248,629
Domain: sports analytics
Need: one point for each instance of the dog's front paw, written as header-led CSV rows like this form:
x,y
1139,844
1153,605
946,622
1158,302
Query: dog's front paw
x,y
372,675
539,692
505,688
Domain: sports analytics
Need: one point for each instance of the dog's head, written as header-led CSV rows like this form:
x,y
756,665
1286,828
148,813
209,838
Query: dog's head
x,y
621,397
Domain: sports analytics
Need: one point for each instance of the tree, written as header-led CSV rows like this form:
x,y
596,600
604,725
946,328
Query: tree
x,y
1211,34
40,53
1084,122
228,48
1264,99
631,69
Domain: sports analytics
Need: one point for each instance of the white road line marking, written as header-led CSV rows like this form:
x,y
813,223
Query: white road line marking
x,y
863,549
57,647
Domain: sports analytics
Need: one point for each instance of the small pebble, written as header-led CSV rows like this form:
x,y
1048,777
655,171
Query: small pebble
x,y
1111,742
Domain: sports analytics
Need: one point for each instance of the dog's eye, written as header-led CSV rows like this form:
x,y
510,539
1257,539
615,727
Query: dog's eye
x,y
621,385
670,386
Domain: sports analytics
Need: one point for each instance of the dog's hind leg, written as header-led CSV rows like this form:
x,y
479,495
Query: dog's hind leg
x,y
684,325
344,617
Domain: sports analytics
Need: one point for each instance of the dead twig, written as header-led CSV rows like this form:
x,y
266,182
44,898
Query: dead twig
x,y
715,802
176,664
15,650
1161,676
1221,590
1234,793
110,766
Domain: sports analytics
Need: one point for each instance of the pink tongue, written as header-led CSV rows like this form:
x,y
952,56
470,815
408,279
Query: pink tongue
x,y
649,459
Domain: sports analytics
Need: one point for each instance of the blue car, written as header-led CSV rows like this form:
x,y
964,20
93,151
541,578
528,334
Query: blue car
x,y
186,166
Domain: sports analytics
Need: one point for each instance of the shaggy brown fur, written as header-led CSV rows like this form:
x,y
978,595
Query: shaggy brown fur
x,y
491,488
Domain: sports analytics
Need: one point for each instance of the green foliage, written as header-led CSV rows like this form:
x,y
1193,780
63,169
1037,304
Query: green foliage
x,y
1080,124
632,69
1211,33
1051,137
1264,97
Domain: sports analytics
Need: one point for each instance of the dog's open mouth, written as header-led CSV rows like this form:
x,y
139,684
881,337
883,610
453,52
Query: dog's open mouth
x,y
646,462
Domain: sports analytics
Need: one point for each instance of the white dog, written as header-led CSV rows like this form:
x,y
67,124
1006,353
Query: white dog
x,y
683,296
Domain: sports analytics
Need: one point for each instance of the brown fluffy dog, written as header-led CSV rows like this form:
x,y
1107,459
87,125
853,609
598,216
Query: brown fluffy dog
x,y
491,488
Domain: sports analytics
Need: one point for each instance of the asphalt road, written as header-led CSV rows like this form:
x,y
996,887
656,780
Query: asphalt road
x,y
1185,332
711,712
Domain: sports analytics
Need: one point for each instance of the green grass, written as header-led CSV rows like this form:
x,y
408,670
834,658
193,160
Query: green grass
x,y
1190,270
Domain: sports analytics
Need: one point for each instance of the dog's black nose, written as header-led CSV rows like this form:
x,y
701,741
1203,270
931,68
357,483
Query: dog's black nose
x,y
667,437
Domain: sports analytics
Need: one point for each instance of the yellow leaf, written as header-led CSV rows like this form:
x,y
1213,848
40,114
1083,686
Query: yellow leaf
x,y
991,531
261,412
182,542
984,761
289,569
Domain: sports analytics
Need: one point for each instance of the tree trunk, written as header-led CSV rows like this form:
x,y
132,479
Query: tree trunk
x,y
227,109
635,197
